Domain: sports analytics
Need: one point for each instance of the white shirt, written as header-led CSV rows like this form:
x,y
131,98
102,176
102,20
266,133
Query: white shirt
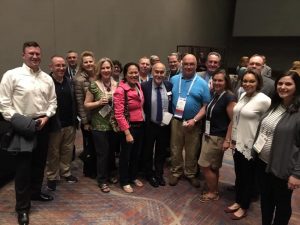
x,y
246,116
27,93
164,98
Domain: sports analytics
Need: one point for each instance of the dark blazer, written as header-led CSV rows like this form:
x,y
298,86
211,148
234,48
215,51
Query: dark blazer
x,y
68,73
147,90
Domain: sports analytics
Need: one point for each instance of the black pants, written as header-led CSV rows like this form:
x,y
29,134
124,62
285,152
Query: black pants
x,y
30,171
129,155
244,171
105,149
157,138
7,167
275,197
88,154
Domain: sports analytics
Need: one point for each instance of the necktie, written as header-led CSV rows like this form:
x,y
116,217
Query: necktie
x,y
159,105
73,72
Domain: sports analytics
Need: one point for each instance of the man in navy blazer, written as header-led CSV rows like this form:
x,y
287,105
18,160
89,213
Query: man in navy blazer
x,y
158,112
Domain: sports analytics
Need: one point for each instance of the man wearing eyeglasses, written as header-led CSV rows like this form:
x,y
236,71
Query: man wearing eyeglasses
x,y
190,97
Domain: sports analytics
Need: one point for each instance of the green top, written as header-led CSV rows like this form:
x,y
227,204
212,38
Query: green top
x,y
98,122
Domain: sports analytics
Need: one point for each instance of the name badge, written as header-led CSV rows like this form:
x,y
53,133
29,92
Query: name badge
x,y
180,107
105,110
166,118
260,143
207,127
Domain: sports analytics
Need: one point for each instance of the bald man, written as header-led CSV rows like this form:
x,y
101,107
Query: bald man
x,y
61,141
157,108
190,95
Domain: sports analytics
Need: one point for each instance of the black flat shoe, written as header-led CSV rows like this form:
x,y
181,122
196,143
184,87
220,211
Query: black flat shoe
x,y
42,197
23,218
153,182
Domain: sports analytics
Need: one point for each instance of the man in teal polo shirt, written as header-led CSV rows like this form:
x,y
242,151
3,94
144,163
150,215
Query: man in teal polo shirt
x,y
190,97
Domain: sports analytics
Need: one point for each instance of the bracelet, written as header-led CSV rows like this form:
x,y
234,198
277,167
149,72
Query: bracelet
x,y
195,120
228,141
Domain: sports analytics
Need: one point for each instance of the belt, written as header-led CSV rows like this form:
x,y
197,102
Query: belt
x,y
159,125
136,124
181,120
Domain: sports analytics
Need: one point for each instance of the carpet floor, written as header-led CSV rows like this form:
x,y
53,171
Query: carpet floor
x,y
83,203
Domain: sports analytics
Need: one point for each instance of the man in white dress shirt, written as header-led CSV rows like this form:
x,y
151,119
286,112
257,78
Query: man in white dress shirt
x,y
29,93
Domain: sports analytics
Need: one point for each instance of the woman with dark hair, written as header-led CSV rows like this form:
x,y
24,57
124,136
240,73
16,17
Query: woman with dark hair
x,y
246,116
217,136
277,148
99,101
129,96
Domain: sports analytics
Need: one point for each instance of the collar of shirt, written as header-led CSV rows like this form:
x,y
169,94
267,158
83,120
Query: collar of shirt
x,y
27,68
156,86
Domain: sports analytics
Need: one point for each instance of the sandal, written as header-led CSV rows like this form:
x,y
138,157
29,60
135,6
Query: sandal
x,y
138,183
127,188
104,188
233,208
206,197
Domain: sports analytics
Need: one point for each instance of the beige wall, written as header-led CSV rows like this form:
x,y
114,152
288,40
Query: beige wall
x,y
118,29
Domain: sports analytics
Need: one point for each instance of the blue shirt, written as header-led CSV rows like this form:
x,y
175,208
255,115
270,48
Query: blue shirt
x,y
198,95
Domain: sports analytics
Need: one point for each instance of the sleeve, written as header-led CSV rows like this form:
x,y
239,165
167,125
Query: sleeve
x,y
296,157
80,95
265,103
52,100
206,93
93,87
231,98
6,91
119,101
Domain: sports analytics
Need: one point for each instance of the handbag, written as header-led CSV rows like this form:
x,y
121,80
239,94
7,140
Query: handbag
x,y
113,121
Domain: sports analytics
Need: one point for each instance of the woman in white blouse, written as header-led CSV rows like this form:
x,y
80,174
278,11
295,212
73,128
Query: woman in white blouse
x,y
246,116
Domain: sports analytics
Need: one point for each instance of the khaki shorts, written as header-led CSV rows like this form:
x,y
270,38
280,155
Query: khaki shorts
x,y
211,152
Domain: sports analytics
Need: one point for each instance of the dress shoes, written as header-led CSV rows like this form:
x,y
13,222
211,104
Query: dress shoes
x,y
194,182
42,197
173,180
23,218
161,181
153,182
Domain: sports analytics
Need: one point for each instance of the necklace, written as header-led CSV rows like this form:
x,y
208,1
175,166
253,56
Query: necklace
x,y
107,86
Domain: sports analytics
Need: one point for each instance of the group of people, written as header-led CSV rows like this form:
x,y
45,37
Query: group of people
x,y
146,111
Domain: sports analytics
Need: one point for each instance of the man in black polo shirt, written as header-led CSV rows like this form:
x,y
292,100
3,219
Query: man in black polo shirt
x,y
62,140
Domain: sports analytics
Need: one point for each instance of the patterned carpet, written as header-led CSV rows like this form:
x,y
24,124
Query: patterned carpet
x,y
83,203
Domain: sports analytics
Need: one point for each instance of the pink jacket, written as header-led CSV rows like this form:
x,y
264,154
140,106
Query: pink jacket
x,y
135,105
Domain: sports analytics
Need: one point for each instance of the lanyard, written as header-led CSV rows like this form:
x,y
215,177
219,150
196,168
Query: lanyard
x,y
214,102
179,88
